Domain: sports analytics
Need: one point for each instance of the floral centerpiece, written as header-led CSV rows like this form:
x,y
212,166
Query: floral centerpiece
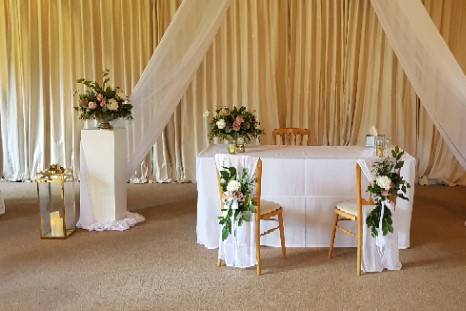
x,y
388,185
238,199
237,124
102,102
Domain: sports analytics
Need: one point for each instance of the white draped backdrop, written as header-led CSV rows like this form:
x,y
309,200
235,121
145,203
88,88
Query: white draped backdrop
x,y
38,125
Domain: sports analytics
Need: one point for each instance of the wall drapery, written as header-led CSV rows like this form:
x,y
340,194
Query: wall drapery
x,y
325,65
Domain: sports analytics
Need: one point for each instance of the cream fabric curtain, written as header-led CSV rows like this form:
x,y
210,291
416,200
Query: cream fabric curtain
x,y
321,64
431,67
49,44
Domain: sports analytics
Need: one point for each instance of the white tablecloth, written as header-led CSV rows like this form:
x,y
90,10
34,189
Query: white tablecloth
x,y
307,181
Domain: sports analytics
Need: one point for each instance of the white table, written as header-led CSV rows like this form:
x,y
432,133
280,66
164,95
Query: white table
x,y
307,181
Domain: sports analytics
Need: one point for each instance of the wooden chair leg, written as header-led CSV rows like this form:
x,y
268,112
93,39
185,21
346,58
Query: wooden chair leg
x,y
281,228
219,262
332,239
359,250
258,245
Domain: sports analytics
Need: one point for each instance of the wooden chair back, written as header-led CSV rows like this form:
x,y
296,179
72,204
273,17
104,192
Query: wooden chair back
x,y
292,136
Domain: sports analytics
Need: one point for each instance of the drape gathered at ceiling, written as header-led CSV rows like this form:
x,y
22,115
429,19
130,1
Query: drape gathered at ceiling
x,y
325,65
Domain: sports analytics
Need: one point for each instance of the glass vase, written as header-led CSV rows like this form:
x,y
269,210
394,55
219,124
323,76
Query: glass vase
x,y
240,145
380,146
231,147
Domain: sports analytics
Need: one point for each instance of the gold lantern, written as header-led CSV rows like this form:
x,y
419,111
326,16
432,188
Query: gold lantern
x,y
57,201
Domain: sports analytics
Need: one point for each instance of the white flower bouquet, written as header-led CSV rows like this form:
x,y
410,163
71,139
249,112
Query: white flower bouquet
x,y
238,199
102,102
231,124
388,185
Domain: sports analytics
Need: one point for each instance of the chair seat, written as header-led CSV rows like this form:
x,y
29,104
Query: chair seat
x,y
349,207
267,207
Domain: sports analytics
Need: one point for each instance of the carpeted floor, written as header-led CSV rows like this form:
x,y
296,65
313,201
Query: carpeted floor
x,y
159,266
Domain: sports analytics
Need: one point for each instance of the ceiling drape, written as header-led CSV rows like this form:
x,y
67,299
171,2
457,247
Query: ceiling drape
x,y
321,64
432,69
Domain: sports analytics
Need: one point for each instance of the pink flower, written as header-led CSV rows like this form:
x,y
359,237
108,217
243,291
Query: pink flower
x,y
239,119
92,105
236,126
103,103
99,97
82,102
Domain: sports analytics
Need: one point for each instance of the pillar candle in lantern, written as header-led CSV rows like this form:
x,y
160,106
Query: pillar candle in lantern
x,y
56,224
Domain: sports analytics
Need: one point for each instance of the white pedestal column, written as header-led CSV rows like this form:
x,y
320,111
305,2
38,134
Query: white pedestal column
x,y
103,176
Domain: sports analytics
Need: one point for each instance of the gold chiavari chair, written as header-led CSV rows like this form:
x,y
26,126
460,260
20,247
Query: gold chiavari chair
x,y
292,136
264,211
351,211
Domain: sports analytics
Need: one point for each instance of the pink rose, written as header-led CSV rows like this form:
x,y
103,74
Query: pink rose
x,y
239,119
99,97
103,103
92,105
82,102
236,126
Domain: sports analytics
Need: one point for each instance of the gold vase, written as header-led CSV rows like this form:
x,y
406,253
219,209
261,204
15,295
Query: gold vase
x,y
104,123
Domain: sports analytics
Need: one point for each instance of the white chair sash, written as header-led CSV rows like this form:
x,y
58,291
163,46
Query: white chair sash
x,y
381,252
239,249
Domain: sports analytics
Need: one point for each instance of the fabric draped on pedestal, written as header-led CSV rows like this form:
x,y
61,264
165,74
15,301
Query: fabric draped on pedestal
x,y
129,220
103,187
239,249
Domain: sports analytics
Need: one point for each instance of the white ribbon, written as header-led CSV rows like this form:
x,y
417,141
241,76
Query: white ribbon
x,y
380,239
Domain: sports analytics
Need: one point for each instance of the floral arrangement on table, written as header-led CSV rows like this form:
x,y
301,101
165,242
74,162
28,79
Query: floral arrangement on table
x,y
388,185
238,199
102,102
231,124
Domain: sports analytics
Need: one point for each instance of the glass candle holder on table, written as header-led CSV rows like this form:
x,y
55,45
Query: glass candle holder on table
x,y
380,146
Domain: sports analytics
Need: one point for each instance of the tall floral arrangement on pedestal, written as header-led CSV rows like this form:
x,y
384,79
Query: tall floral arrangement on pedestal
x,y
102,102
238,199
231,124
388,185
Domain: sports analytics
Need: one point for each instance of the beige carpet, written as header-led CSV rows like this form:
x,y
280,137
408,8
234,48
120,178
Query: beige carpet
x,y
159,266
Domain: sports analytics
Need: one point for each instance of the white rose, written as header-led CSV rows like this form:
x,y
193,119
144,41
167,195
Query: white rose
x,y
221,124
206,113
383,182
222,181
112,105
233,185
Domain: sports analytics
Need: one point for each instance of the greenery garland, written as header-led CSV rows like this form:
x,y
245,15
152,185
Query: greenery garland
x,y
388,184
238,199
